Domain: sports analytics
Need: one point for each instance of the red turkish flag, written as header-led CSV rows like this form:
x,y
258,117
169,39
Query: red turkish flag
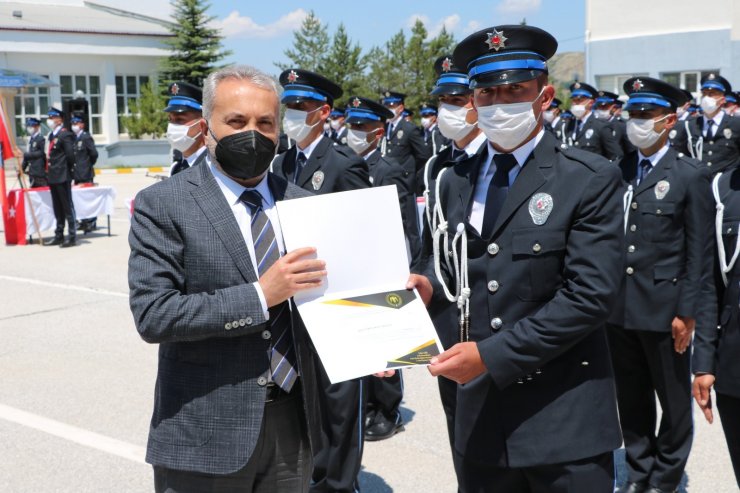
x,y
14,218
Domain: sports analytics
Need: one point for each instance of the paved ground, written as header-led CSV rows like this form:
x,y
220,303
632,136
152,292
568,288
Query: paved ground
x,y
76,383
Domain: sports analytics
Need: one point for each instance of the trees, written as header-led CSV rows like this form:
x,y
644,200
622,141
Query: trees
x,y
196,48
310,45
147,117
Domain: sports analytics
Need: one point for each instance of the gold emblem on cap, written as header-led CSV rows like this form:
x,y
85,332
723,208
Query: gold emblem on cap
x,y
356,102
446,64
496,40
174,89
292,76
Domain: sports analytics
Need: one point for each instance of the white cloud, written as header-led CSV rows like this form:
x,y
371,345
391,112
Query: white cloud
x,y
471,27
235,25
518,6
450,23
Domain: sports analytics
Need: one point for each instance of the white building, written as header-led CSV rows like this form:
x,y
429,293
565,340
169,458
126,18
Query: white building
x,y
105,53
674,40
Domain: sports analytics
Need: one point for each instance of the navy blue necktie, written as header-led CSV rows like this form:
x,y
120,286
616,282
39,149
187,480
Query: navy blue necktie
x,y
710,129
645,167
498,189
266,252
300,163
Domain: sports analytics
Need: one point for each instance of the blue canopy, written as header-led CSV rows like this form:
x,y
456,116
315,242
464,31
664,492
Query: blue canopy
x,y
20,79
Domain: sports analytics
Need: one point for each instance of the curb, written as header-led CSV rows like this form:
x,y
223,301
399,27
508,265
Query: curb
x,y
129,171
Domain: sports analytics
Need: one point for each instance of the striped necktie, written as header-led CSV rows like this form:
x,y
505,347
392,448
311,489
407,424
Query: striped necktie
x,y
266,252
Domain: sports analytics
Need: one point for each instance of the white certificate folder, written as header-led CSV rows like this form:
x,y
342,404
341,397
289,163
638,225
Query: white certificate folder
x,y
362,319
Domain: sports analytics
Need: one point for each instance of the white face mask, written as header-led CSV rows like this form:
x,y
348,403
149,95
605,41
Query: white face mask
x,y
51,123
76,128
426,122
357,140
507,125
602,114
709,104
578,110
641,131
295,126
30,130
451,120
549,116
336,125
178,136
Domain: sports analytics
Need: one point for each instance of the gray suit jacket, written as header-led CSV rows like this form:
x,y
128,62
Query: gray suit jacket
x,y
192,291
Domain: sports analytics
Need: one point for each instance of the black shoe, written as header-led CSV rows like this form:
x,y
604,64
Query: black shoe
x,y
383,428
69,242
369,419
653,489
633,488
57,240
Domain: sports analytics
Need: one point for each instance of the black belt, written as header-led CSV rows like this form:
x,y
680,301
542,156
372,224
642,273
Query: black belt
x,y
275,392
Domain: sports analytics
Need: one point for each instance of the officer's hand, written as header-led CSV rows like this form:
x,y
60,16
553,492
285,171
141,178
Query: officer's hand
x,y
385,374
701,392
422,285
461,363
682,328
290,274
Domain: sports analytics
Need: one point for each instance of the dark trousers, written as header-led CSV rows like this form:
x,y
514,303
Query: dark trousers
x,y
384,395
591,475
729,411
61,200
38,181
281,462
645,364
338,458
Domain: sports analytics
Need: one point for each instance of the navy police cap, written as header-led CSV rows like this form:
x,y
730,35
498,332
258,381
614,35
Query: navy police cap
x,y
647,93
407,113
716,81
581,89
336,113
301,85
184,97
427,109
505,54
75,119
362,110
54,112
555,103
451,79
606,97
393,97
32,122
689,96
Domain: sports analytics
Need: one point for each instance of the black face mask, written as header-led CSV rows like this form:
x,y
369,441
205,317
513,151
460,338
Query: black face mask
x,y
244,155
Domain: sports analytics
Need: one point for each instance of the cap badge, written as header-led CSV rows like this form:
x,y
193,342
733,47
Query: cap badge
x,y
711,77
175,89
292,76
577,85
387,94
446,64
317,180
356,102
496,40
637,85
661,189
540,207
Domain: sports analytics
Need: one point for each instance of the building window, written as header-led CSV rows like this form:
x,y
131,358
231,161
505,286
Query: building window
x,y
89,85
30,103
688,79
614,83
128,89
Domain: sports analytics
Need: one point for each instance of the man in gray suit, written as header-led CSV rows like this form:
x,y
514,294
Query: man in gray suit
x,y
235,406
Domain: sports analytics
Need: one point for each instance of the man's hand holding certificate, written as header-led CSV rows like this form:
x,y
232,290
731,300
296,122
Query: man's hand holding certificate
x,y
362,319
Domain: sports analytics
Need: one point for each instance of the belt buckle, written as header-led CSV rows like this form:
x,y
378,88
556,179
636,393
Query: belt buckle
x,y
272,392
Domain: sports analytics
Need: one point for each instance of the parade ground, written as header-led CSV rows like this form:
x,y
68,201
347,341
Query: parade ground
x,y
77,382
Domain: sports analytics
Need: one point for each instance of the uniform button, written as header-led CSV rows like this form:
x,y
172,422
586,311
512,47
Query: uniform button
x,y
493,286
659,212
529,377
266,334
584,363
520,380
711,142
631,248
538,372
261,381
709,164
227,326
496,323
630,271
563,146
536,248
634,206
248,320
633,228
675,280
729,230
493,249
709,153
242,323
575,143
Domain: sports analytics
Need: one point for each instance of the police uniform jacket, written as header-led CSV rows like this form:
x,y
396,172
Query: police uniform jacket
x,y
406,145
61,157
595,136
719,152
340,137
385,172
34,159
86,155
435,140
182,164
620,133
668,244
717,351
330,168
540,299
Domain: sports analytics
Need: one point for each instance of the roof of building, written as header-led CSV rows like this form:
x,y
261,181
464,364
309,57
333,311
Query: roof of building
x,y
78,17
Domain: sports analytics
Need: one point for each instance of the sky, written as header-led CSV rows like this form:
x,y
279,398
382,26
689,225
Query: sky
x,y
258,33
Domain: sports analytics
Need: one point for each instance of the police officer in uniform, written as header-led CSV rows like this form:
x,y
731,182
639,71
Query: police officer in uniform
x,y
606,107
543,231
432,135
715,360
668,217
86,155
730,106
320,166
337,129
714,137
186,130
60,173
587,132
553,120
34,159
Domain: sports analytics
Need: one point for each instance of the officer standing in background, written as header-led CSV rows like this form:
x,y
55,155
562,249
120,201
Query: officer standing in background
x,y
86,155
585,132
606,107
337,129
715,360
730,106
714,137
318,165
668,217
432,136
60,173
553,121
34,159
186,130
404,141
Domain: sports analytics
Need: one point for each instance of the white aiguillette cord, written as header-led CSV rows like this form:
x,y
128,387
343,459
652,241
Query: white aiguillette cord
x,y
724,267
627,200
459,265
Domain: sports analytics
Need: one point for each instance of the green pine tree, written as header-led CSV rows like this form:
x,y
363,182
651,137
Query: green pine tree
x,y
196,48
147,117
310,45
344,64
417,67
